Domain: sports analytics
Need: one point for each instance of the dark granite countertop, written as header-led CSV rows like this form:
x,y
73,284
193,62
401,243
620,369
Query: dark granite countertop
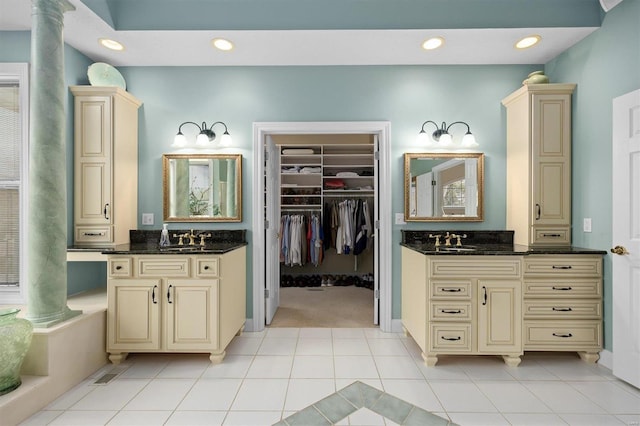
x,y
147,242
209,248
484,243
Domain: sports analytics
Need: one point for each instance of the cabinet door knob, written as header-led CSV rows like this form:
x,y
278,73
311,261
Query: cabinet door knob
x,y
206,268
118,267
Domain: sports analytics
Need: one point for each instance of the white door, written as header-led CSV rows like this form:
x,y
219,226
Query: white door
x,y
626,237
374,235
424,194
272,231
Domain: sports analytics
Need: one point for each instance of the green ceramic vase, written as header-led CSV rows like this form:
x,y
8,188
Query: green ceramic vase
x,y
536,77
15,339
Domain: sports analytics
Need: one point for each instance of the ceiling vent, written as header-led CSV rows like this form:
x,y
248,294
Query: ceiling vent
x,y
607,5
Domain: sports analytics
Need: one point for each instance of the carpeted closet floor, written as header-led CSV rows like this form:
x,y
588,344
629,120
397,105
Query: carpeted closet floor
x,y
334,307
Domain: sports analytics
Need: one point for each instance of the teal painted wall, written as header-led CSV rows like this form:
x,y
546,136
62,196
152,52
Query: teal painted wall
x,y
604,65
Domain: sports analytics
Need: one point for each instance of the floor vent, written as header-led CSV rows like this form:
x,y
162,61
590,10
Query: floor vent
x,y
106,378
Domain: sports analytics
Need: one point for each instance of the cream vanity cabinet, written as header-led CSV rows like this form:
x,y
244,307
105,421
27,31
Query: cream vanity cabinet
x,y
563,304
466,305
105,165
539,164
175,303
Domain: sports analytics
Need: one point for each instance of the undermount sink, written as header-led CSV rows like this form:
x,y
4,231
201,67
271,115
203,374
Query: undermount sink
x,y
459,249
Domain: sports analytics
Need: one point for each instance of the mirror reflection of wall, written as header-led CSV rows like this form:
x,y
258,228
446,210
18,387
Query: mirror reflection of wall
x,y
443,186
202,187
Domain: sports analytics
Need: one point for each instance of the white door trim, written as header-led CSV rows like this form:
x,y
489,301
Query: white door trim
x,y
383,234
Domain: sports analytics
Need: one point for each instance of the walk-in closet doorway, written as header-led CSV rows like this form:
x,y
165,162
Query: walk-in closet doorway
x,y
269,141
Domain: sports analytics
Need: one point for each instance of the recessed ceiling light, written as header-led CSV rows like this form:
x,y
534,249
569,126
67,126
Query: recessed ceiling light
x,y
528,41
222,44
111,44
432,43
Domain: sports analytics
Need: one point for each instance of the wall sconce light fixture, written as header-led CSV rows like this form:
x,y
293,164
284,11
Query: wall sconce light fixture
x,y
204,138
443,137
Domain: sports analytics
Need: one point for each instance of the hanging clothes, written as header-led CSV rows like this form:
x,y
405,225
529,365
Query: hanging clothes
x,y
300,240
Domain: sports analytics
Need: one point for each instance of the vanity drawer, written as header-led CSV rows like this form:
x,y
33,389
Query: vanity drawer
x,y
207,266
450,338
450,311
558,309
476,266
563,265
550,236
542,335
164,266
450,289
120,267
563,288
93,234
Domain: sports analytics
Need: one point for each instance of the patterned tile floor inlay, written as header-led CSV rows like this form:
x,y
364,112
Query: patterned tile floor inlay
x,y
356,396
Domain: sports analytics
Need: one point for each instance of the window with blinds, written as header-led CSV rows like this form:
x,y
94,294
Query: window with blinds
x,y
10,180
14,154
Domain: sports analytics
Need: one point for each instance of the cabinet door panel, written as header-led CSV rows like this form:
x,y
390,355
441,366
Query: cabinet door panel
x,y
499,316
133,315
192,314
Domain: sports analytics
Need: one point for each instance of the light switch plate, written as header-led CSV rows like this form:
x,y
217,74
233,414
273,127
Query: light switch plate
x,y
147,218
586,224
400,219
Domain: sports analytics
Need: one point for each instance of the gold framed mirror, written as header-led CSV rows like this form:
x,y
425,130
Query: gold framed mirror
x,y
441,187
202,187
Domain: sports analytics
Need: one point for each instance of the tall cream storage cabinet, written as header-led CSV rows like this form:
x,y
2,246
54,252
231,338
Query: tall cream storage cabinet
x,y
539,164
105,165
175,303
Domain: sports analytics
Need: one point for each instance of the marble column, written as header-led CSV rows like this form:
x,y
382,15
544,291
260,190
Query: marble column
x,y
47,219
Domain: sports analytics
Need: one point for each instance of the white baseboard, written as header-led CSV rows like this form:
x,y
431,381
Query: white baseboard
x,y
606,359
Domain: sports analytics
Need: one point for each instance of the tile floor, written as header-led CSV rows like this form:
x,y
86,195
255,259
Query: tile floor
x,y
270,375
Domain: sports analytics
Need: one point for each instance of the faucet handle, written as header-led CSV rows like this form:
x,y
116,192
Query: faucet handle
x,y
180,241
459,237
202,237
437,237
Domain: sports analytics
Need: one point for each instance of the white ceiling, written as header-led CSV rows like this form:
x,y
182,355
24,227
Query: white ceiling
x,y
298,47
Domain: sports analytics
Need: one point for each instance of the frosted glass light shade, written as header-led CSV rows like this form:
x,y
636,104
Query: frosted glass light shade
x,y
179,141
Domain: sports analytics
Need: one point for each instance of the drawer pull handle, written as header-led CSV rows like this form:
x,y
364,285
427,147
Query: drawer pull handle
x,y
562,309
537,211
118,267
561,267
451,290
451,311
484,298
451,339
93,234
153,295
169,294
561,288
106,206
552,235
563,335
